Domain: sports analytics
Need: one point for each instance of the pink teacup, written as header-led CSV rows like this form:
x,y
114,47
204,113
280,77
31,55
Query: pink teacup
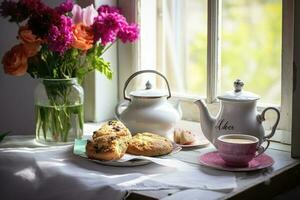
x,y
238,150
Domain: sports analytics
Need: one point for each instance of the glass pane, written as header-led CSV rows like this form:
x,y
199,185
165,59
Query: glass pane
x,y
182,52
251,47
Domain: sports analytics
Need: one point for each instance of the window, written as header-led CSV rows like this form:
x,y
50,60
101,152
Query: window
x,y
251,46
202,46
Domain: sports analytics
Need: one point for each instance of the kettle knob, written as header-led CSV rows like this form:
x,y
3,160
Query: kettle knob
x,y
238,85
148,85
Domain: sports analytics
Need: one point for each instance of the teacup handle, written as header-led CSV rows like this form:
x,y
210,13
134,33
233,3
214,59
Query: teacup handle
x,y
261,149
262,118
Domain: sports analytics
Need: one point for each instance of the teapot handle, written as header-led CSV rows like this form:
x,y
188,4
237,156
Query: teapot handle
x,y
261,118
140,72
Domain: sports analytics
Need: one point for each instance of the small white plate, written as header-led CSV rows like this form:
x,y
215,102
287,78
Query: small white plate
x,y
198,143
136,161
127,161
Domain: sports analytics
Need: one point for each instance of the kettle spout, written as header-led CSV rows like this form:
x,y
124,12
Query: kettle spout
x,y
207,122
178,108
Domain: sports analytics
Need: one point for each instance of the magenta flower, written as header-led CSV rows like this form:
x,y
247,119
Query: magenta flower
x,y
41,21
129,33
107,26
34,6
108,9
65,7
60,36
10,9
85,15
21,10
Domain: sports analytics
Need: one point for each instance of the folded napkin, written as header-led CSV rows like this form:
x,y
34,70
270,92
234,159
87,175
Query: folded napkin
x,y
56,173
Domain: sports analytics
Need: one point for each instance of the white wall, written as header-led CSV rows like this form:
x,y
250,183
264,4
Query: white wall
x,y
16,93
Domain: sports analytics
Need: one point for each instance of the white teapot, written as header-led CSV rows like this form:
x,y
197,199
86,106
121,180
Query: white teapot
x,y
148,110
238,114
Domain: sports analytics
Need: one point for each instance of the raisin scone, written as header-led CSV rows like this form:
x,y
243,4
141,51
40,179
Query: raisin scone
x,y
149,144
113,126
110,142
107,147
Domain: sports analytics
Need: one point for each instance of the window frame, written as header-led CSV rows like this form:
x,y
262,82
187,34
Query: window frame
x,y
295,23
126,66
213,61
128,61
97,88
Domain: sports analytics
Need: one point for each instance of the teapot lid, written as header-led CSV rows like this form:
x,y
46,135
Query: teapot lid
x,y
148,92
238,94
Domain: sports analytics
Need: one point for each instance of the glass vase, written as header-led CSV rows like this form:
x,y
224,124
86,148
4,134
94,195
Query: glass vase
x,y
59,111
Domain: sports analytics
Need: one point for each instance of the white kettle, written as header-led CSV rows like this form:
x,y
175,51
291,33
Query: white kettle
x,y
148,110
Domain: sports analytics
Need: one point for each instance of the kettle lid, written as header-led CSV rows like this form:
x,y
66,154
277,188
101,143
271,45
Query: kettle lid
x,y
238,94
148,92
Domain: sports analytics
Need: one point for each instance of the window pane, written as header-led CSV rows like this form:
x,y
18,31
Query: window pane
x,y
251,47
182,52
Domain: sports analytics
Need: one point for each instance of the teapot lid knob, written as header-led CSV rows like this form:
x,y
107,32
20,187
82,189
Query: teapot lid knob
x,y
148,85
238,85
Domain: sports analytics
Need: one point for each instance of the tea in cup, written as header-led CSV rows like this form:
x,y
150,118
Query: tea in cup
x,y
237,150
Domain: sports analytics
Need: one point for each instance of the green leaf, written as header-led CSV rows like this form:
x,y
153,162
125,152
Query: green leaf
x,y
2,135
104,67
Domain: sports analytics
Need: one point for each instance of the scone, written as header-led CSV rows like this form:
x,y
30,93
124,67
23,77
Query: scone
x,y
113,126
109,142
148,144
184,137
107,147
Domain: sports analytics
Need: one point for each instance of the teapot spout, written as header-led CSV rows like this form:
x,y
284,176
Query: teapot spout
x,y
206,120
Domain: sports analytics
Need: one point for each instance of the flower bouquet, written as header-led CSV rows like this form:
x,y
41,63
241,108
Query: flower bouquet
x,y
60,46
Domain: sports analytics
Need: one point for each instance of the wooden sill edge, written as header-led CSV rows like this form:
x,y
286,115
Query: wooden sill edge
x,y
270,186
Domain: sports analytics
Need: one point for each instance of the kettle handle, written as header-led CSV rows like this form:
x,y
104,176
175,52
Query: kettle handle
x,y
262,118
140,72
117,108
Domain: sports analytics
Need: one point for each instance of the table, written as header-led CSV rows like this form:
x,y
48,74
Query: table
x,y
264,183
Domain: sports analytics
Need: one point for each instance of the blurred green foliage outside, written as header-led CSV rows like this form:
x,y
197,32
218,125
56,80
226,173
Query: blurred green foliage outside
x,y
250,49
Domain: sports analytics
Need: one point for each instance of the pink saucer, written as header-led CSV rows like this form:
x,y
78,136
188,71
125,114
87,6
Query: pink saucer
x,y
213,160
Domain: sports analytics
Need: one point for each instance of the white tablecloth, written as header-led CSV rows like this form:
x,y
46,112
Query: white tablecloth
x,y
35,172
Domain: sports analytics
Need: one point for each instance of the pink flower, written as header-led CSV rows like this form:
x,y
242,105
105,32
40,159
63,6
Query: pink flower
x,y
85,15
108,9
60,36
65,7
107,26
110,25
129,33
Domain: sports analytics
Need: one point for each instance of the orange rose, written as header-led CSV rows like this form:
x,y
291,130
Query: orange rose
x,y
31,41
31,49
15,61
83,37
26,35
